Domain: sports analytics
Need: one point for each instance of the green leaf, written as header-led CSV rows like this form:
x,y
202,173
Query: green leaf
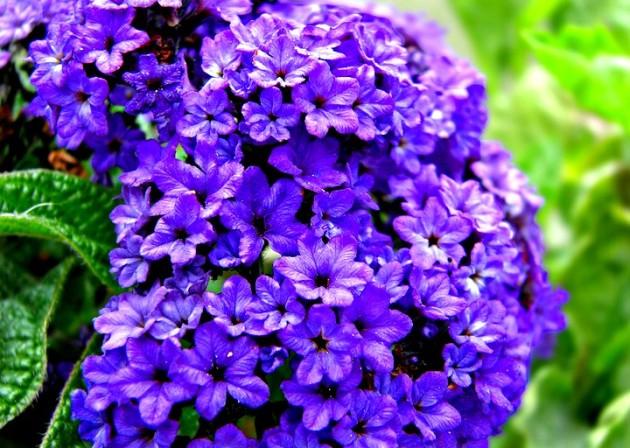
x,y
613,427
57,206
62,431
591,64
188,422
12,277
23,340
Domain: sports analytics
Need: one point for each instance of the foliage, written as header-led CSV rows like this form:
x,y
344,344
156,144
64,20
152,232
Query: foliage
x,y
23,342
51,205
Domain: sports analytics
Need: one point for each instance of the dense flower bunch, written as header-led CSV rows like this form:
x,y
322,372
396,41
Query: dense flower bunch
x,y
322,249
21,22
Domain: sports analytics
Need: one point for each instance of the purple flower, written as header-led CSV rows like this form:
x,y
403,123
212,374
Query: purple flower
x,y
298,437
312,163
327,102
240,83
131,318
132,431
426,407
262,214
118,149
406,114
361,184
277,306
226,253
129,267
149,153
474,278
479,324
433,295
220,366
370,421
280,65
460,363
178,234
219,56
134,213
468,201
326,347
226,436
190,278
370,104
327,271
149,379
331,217
82,106
17,19
272,357
208,181
93,425
106,36
207,116
434,236
231,308
379,327
322,402
271,118
98,372
390,276
156,85
177,314
228,10
50,56
407,149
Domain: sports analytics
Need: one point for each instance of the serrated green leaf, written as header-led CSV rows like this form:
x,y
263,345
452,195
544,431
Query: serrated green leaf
x,y
23,340
62,431
57,206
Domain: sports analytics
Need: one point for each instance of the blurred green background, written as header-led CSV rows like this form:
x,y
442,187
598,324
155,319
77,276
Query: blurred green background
x,y
559,91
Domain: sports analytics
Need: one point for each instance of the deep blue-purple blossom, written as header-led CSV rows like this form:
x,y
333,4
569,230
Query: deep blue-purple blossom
x,y
221,366
326,347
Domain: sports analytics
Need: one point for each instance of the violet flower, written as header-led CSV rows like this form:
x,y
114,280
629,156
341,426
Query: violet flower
x,y
326,271
325,346
327,102
178,234
221,366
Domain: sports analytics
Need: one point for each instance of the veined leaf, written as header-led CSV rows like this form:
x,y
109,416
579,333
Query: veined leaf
x,y
23,340
57,206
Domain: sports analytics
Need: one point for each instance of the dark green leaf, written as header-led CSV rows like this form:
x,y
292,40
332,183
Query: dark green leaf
x,y
57,206
12,277
23,340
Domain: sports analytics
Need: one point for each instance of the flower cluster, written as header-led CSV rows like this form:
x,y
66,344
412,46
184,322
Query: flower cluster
x,y
322,250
